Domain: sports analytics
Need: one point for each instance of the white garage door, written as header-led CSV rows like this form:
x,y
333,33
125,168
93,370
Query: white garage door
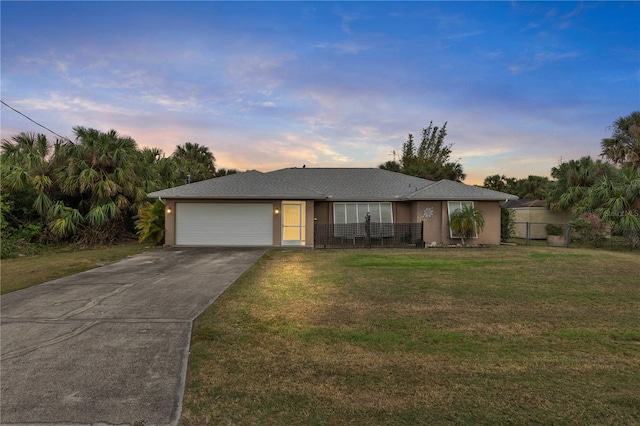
x,y
209,224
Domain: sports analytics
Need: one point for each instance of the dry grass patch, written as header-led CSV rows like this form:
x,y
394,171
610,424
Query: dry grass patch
x,y
502,335
60,262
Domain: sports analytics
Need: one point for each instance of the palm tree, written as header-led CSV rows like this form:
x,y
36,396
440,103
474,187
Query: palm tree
x,y
100,182
495,182
156,171
27,163
196,161
616,199
453,170
466,221
623,147
573,180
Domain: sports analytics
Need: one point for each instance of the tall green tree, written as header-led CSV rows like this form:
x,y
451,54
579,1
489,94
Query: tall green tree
x,y
430,159
615,199
623,147
100,183
91,189
573,180
531,187
495,182
27,165
195,162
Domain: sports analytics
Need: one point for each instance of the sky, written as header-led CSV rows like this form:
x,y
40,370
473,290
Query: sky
x,y
522,86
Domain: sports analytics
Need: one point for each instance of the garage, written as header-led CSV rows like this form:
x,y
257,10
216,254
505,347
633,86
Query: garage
x,y
221,224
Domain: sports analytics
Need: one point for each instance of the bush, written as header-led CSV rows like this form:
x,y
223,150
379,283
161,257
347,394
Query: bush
x,y
554,229
590,229
632,237
25,240
150,223
465,221
507,224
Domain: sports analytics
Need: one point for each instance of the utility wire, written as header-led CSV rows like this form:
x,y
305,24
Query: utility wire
x,y
32,120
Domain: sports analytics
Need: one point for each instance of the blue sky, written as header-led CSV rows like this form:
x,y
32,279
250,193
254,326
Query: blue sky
x,y
267,85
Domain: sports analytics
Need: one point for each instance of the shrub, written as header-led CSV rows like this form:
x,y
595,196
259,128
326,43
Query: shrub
x,y
507,224
25,240
465,221
150,223
554,229
590,228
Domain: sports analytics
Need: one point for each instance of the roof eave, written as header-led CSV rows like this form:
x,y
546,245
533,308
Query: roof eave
x,y
235,197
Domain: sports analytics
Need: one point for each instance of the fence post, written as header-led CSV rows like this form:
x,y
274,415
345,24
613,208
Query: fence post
x,y
567,235
367,230
528,236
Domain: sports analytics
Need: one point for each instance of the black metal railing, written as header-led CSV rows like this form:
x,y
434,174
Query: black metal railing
x,y
373,234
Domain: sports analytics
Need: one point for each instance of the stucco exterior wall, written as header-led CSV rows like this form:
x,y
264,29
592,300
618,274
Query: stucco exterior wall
x,y
491,231
170,223
309,222
323,212
436,227
432,229
402,213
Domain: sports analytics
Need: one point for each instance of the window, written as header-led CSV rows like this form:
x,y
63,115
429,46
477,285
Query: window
x,y
356,212
458,205
349,219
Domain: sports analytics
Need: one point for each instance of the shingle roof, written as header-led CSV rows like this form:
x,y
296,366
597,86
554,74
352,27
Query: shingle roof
x,y
247,185
337,184
348,184
451,190
515,204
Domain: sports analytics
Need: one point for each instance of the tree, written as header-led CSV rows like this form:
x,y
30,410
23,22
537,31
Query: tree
x,y
101,186
466,221
616,199
623,147
532,187
392,166
27,166
225,172
573,180
90,189
195,162
495,182
430,160
28,160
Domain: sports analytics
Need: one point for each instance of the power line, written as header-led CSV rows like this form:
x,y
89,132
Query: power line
x,y
34,121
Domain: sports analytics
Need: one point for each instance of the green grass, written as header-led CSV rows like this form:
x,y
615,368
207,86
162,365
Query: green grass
x,y
505,335
53,263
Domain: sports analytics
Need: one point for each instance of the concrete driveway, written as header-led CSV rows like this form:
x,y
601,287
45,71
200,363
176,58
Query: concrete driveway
x,y
110,345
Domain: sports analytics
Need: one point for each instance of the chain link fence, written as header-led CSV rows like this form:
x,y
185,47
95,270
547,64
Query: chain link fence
x,y
565,235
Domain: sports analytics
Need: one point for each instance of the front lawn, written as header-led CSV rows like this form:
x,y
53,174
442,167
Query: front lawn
x,y
57,262
506,335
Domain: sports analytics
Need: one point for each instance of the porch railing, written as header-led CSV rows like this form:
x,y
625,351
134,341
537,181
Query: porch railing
x,y
373,234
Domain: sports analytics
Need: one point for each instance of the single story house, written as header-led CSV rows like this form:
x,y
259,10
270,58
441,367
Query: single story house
x,y
537,214
283,207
